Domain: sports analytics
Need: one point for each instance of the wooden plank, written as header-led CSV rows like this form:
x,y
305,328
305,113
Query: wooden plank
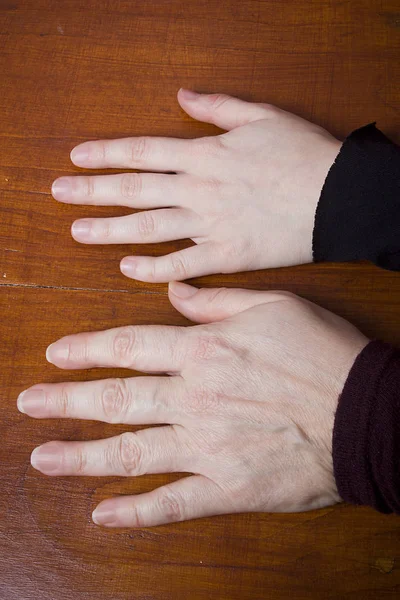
x,y
50,549
72,71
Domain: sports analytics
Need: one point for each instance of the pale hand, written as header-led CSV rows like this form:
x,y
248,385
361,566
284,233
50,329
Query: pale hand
x,y
247,198
247,408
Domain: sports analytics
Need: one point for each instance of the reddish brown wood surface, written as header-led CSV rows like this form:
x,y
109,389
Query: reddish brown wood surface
x,y
72,71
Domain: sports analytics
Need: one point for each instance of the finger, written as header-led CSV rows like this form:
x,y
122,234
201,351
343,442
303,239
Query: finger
x,y
162,225
188,498
144,153
133,400
135,190
149,348
154,450
221,110
202,259
207,305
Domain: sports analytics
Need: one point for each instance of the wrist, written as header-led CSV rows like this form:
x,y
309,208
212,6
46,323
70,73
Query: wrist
x,y
318,173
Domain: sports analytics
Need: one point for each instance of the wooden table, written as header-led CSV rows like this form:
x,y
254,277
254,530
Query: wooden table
x,y
72,71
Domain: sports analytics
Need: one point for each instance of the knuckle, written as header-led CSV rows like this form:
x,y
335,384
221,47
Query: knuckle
x,y
210,186
236,248
160,400
106,230
138,150
124,345
218,296
115,400
217,100
84,350
294,304
179,266
205,347
63,402
135,517
238,254
171,505
131,185
146,223
102,150
80,461
289,304
219,143
154,269
209,147
88,187
130,454
288,297
269,109
202,399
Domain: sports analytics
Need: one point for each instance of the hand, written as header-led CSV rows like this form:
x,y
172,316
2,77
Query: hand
x,y
250,403
247,198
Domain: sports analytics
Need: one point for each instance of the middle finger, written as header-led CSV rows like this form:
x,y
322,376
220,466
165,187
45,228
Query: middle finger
x,y
134,190
148,348
133,400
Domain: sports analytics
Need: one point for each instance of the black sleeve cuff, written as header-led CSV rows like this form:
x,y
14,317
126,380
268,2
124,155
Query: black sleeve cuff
x,y
366,433
358,214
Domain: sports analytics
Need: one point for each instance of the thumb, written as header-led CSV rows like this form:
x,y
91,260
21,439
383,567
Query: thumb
x,y
224,111
207,305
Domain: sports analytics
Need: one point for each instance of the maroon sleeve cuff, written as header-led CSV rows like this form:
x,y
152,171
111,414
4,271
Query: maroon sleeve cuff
x,y
366,433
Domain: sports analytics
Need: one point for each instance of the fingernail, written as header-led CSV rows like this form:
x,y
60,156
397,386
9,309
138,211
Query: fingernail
x,y
47,458
30,400
79,155
189,94
128,266
182,290
56,352
81,228
104,516
61,188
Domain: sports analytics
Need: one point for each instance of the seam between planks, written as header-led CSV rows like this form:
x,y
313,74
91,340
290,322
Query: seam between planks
x,y
78,289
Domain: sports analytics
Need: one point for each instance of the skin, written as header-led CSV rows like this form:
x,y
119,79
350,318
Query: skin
x,y
246,400
247,198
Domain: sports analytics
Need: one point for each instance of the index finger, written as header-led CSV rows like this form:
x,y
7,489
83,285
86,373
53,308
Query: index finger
x,y
144,153
148,348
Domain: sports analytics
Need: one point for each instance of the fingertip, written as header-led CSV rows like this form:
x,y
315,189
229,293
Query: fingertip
x,y
80,155
20,405
61,189
181,290
81,230
48,354
33,457
57,353
47,458
105,514
188,95
128,266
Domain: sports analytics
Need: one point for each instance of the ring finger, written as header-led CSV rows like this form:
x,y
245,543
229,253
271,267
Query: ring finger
x,y
162,225
154,450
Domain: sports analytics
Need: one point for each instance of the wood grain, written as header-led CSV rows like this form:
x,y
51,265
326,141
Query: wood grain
x,y
72,71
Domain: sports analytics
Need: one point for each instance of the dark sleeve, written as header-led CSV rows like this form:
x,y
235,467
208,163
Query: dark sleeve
x,y
358,213
366,434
